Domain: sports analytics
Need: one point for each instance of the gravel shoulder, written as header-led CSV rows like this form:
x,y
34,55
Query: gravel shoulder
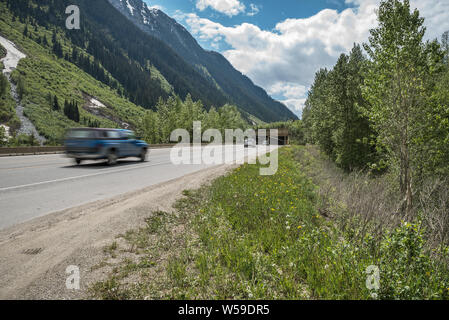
x,y
34,255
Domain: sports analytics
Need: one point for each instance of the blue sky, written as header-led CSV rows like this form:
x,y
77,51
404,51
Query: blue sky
x,y
280,44
269,14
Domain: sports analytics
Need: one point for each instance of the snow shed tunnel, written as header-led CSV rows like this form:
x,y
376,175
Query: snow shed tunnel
x,y
266,135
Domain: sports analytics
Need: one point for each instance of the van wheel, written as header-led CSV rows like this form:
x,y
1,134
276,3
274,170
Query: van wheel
x,y
112,158
78,161
143,155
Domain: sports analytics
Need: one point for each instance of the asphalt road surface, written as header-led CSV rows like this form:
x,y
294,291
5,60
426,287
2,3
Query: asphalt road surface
x,y
33,186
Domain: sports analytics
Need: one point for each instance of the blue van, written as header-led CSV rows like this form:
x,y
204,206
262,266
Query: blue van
x,y
110,144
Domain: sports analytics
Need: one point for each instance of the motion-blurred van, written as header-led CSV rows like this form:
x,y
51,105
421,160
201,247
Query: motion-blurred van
x,y
109,144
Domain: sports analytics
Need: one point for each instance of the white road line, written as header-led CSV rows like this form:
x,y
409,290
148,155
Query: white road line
x,y
80,177
235,160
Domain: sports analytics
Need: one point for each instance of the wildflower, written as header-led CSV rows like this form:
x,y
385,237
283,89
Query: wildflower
x,y
299,227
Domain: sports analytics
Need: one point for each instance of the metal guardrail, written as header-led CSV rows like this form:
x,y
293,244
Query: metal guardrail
x,y
30,150
26,151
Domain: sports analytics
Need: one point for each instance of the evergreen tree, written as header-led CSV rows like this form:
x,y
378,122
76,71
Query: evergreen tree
x,y
56,106
57,49
3,84
25,31
76,111
21,90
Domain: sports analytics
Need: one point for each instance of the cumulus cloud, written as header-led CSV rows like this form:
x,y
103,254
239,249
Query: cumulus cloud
x,y
284,60
228,7
156,7
295,105
435,12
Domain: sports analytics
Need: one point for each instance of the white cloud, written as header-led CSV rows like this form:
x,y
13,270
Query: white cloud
x,y
156,7
288,90
295,105
435,12
228,7
285,60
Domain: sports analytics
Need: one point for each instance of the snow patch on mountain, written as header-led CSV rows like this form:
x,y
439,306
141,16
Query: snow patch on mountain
x,y
130,7
94,103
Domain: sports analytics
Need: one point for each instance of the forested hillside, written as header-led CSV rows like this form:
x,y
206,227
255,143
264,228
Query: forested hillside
x,y
137,65
237,88
86,78
120,48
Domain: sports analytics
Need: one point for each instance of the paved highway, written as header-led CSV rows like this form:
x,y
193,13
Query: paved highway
x,y
33,186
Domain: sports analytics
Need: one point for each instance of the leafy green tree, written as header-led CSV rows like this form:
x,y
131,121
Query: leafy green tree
x,y
433,139
212,119
3,139
231,118
395,86
333,118
174,113
166,116
151,127
317,115
352,132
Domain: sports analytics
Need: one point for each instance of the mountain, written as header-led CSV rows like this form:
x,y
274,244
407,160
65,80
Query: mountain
x,y
57,75
212,65
129,64
145,67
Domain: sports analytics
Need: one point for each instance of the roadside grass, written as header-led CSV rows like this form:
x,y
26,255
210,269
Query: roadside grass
x,y
248,236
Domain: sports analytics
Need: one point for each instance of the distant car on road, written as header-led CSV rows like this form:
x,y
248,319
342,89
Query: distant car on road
x,y
110,144
249,142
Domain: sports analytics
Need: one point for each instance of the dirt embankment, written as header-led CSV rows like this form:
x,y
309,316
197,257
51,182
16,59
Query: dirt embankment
x,y
34,256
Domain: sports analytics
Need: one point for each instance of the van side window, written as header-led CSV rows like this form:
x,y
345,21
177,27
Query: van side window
x,y
131,135
114,134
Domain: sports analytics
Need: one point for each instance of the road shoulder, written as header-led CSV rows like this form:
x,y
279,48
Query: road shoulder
x,y
34,255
